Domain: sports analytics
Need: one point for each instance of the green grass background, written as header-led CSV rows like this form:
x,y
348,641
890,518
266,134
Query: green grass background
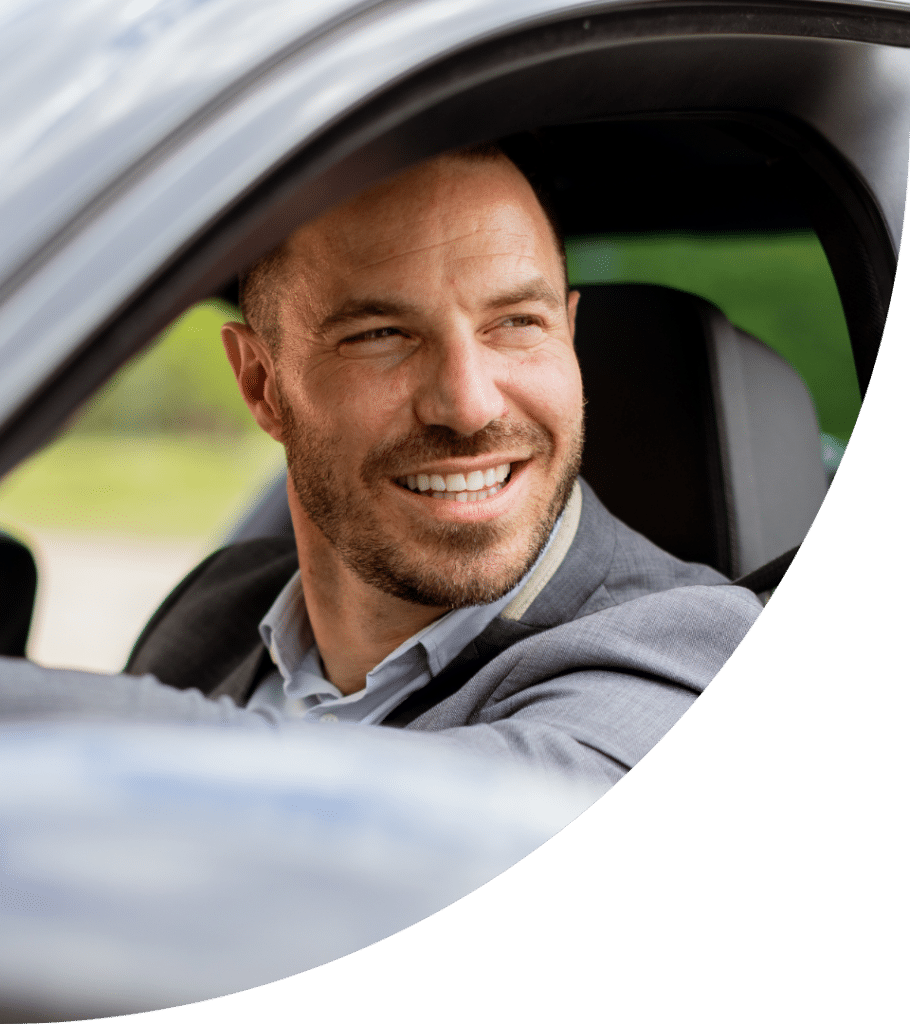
x,y
183,385
166,485
169,448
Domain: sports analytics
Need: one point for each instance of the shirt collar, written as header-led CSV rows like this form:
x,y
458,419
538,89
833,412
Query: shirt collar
x,y
286,633
285,629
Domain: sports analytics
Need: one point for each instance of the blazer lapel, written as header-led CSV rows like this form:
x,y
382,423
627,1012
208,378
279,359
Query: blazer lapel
x,y
499,635
243,680
563,580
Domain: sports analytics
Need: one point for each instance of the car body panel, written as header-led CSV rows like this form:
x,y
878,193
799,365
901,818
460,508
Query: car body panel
x,y
112,168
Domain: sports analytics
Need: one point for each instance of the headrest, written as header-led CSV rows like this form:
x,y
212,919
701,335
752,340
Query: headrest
x,y
698,435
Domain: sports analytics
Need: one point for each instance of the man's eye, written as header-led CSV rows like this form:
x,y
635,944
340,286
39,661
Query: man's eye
x,y
519,329
375,341
519,321
377,334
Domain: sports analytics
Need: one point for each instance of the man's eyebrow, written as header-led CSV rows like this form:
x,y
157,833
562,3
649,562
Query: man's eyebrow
x,y
537,290
354,311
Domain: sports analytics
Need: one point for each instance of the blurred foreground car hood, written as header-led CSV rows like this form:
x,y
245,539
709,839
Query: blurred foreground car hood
x,y
143,867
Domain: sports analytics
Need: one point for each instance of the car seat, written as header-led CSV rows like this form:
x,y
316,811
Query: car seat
x,y
17,595
698,435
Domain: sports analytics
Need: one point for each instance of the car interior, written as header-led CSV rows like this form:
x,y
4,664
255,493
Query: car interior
x,y
699,434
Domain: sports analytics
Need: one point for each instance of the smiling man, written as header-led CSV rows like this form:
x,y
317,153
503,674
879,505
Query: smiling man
x,y
413,352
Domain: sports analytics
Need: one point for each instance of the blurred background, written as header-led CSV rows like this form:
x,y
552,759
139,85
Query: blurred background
x,y
147,480
154,472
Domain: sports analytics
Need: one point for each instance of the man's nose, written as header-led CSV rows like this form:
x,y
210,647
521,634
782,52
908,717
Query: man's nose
x,y
459,388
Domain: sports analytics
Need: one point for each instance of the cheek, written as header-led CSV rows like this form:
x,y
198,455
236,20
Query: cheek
x,y
361,407
549,391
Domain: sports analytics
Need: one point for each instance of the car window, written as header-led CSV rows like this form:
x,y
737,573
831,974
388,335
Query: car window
x,y
156,470
159,466
776,286
146,481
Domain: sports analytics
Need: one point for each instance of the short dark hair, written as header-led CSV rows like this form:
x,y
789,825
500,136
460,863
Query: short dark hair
x,y
256,293
257,284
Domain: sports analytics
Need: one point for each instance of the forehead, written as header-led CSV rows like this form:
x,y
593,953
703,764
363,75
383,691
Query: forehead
x,y
453,218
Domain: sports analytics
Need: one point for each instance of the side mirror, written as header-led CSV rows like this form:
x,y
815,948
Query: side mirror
x,y
18,585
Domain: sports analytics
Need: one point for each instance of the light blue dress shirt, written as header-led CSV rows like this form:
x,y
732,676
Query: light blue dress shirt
x,y
299,689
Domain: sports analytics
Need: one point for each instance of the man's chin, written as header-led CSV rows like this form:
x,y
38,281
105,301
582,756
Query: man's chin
x,y
454,576
449,540
451,564
438,591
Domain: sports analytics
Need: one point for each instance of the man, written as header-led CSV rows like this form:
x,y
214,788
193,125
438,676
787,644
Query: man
x,y
413,352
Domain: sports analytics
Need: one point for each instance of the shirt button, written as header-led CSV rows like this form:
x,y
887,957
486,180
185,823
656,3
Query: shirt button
x,y
329,718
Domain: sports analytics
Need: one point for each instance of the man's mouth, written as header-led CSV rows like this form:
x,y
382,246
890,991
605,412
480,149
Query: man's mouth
x,y
474,486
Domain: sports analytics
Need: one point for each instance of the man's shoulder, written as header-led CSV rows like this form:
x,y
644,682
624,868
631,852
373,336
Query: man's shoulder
x,y
608,564
209,624
680,637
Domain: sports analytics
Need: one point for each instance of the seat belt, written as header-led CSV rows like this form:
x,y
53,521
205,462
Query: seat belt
x,y
768,576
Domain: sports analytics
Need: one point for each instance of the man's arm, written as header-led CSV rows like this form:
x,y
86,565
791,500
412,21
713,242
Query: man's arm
x,y
588,698
29,693
591,697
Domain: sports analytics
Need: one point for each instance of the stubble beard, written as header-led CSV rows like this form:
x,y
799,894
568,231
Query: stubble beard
x,y
444,565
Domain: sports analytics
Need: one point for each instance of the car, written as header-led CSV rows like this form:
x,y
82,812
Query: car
x,y
151,154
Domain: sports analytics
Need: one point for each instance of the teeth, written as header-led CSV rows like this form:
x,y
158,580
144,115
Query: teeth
x,y
475,486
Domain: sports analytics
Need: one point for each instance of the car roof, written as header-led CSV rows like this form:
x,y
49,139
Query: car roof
x,y
102,87
151,151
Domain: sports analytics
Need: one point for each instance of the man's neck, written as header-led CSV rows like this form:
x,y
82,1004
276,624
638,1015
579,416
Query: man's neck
x,y
354,624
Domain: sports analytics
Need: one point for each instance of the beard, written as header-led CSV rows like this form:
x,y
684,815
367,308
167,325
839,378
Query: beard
x,y
442,565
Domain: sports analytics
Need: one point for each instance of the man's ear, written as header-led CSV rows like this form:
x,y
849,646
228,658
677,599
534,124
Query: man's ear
x,y
571,310
251,360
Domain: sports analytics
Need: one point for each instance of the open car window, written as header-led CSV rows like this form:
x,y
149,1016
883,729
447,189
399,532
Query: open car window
x,y
149,477
776,286
159,467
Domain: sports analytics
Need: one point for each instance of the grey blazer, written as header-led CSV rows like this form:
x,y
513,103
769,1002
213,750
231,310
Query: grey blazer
x,y
605,647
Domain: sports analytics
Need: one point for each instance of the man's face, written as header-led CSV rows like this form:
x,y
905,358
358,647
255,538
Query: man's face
x,y
430,399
